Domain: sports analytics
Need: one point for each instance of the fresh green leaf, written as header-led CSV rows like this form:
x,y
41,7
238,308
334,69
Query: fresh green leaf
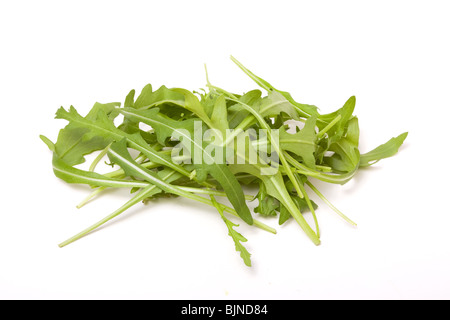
x,y
383,151
175,157
48,142
302,143
218,170
236,236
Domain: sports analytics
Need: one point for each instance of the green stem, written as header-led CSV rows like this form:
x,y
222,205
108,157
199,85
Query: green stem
x,y
292,208
98,158
280,153
329,203
328,126
326,177
256,223
90,196
310,206
113,174
210,192
220,90
120,172
323,168
239,129
251,75
141,196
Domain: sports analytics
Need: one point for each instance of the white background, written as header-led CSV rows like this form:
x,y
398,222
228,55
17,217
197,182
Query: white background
x,y
392,55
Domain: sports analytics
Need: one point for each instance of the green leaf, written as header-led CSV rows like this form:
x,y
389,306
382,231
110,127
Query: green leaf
x,y
185,130
141,196
118,153
301,143
86,135
305,110
301,204
236,236
267,205
74,175
75,141
385,150
148,99
48,142
236,114
219,115
176,157
273,138
344,114
192,104
275,103
129,100
275,187
346,155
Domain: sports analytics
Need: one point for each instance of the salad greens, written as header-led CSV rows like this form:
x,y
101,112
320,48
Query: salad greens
x,y
213,144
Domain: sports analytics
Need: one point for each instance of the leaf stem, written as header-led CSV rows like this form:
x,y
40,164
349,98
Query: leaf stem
x,y
144,194
328,126
90,196
251,75
310,206
273,143
321,196
236,236
98,158
326,177
139,197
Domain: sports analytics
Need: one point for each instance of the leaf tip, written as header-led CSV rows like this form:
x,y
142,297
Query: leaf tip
x,y
48,142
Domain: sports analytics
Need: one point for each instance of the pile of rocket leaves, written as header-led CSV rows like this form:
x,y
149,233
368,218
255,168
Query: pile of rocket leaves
x,y
139,139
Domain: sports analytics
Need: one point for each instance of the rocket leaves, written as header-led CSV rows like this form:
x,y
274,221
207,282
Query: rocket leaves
x,y
184,130
202,145
383,151
301,143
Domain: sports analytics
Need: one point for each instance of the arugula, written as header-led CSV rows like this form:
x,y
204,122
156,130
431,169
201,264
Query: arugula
x,y
383,151
213,143
166,128
236,236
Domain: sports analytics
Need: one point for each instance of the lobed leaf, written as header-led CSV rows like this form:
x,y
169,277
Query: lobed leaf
x,y
383,151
